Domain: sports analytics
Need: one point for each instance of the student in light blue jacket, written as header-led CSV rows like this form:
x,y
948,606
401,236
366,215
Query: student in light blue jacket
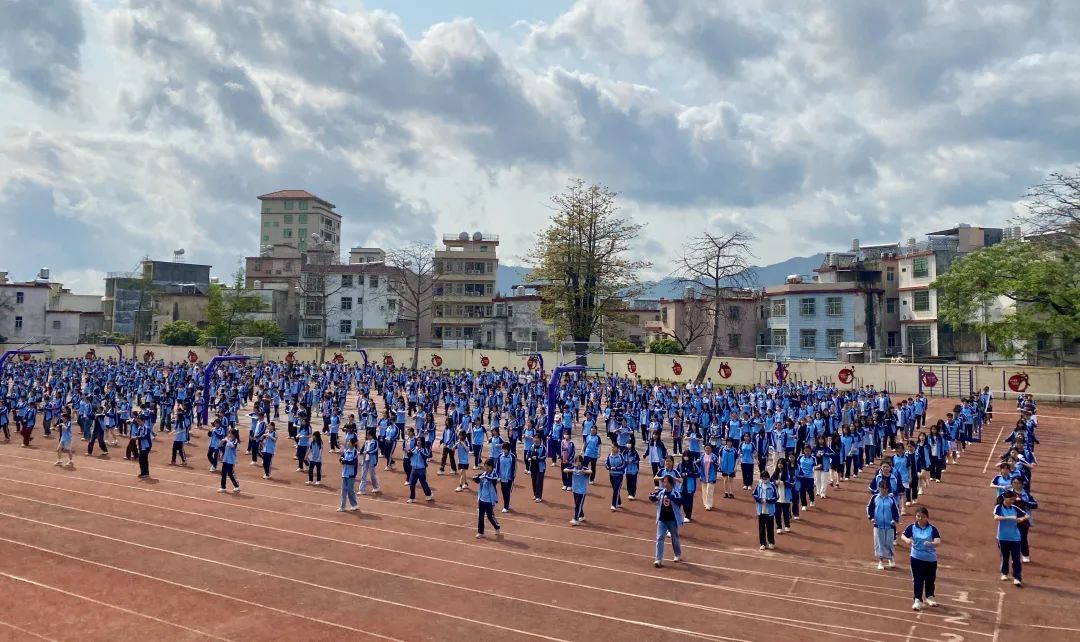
x,y
616,467
486,497
269,449
883,511
506,469
668,518
348,460
228,460
314,460
765,501
369,462
579,484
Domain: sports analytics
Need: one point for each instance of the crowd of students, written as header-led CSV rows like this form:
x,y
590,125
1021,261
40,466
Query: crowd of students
x,y
785,445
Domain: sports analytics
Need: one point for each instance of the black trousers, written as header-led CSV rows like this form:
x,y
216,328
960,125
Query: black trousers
x,y
314,471
448,453
537,483
98,437
486,509
228,472
923,577
1011,550
631,485
178,449
766,529
506,487
144,462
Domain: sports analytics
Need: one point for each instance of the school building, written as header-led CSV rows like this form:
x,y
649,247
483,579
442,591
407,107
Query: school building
x,y
809,320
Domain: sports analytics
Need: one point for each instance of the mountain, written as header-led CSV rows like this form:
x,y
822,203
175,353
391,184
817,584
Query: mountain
x,y
510,275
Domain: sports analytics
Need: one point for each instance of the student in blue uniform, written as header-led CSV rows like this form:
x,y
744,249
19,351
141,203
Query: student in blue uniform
x,y
486,497
369,462
728,457
579,484
709,470
656,453
144,440
216,436
804,472
633,467
690,473
418,456
537,466
616,467
314,460
303,440
668,518
765,502
923,538
228,460
1009,517
269,449
348,459
506,469
746,461
461,451
883,511
64,444
1026,503
181,436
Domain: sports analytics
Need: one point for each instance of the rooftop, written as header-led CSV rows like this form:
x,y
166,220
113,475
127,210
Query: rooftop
x,y
293,194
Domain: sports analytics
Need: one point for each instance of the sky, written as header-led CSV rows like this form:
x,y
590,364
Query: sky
x,y
129,128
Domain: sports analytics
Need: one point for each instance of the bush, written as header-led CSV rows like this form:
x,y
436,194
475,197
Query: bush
x,y
665,346
270,331
180,333
622,345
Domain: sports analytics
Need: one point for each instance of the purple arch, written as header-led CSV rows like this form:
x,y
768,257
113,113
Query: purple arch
x,y
556,375
204,411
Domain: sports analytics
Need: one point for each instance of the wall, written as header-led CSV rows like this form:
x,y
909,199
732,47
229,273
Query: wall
x,y
35,300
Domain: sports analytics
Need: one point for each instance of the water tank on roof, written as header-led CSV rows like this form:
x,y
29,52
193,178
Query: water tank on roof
x,y
519,290
688,292
794,278
911,242
478,236
43,274
464,236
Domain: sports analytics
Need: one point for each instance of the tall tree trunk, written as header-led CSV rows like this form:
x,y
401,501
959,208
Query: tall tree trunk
x,y
707,361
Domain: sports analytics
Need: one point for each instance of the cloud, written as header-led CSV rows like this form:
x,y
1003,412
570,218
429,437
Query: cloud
x,y
40,42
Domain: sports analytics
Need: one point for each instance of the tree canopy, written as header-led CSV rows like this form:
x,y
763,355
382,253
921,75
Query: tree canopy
x,y
179,333
581,262
229,310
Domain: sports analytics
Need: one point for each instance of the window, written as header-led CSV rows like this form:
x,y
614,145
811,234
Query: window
x,y
808,307
288,219
266,223
311,329
779,337
266,237
287,233
359,300
346,303
303,232
510,311
920,268
346,280
920,301
19,298
663,315
734,313
890,274
890,306
288,206
833,338
733,340
834,306
301,245
779,308
438,332
276,224
808,339
391,304
345,326
312,305
373,281
303,206
56,324
18,323
892,340
302,218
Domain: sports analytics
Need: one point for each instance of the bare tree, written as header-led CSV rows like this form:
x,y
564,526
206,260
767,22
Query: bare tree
x,y
1053,207
413,282
315,287
713,262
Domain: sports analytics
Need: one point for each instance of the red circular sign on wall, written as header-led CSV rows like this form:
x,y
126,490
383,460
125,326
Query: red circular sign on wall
x,y
676,367
846,375
929,379
436,361
631,366
1019,382
724,371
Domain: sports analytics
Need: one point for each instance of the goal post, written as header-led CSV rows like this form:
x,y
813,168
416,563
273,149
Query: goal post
x,y
591,355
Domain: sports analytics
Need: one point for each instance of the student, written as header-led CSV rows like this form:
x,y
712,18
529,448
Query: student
x,y
765,500
348,461
216,436
709,466
303,440
461,450
181,436
668,517
506,469
633,467
1026,503
591,450
314,460
616,467
537,466
657,453
64,444
369,462
486,496
418,456
448,441
690,474
567,455
784,479
1009,517
923,538
579,485
728,457
746,461
884,513
804,473
144,441
228,460
269,449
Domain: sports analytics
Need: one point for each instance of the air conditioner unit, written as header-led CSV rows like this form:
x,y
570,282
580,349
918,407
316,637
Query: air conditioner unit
x,y
905,317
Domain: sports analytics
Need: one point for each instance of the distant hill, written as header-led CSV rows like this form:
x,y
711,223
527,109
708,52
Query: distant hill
x,y
510,275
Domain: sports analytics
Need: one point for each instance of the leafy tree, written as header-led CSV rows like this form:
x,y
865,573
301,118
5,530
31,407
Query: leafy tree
x,y
711,262
665,346
622,345
179,333
582,262
1040,281
270,331
228,310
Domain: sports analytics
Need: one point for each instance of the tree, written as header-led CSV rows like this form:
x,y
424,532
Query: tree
x,y
228,310
665,346
581,261
1040,280
270,331
179,333
413,282
715,262
692,321
622,345
1053,207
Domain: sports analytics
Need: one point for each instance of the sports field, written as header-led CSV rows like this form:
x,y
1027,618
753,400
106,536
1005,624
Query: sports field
x,y
92,553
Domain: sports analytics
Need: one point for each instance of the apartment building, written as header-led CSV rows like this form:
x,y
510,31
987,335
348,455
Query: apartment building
x,y
464,286
292,216
156,294
811,320
690,319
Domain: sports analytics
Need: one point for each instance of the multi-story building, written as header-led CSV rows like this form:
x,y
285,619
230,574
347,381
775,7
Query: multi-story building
x,y
361,304
158,293
690,321
274,276
23,310
41,310
367,255
292,216
811,320
464,286
517,322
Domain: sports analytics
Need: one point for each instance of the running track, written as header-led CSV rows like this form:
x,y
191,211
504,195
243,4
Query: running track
x,y
91,553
